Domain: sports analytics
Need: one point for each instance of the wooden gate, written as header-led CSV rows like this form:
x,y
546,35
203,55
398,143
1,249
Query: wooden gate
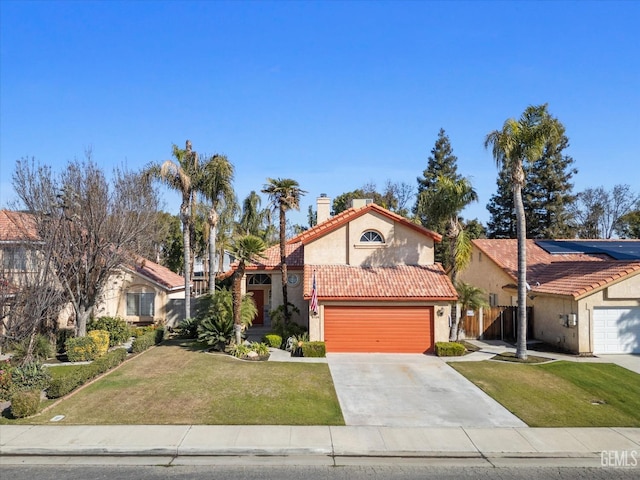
x,y
500,323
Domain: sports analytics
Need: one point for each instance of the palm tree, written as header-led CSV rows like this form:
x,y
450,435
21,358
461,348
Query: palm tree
x,y
215,183
443,203
180,176
470,298
519,141
245,249
285,195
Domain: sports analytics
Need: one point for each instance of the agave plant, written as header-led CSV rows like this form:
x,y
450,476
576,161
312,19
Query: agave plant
x,y
216,314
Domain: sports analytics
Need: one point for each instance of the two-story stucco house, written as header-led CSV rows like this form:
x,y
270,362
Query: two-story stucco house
x,y
377,286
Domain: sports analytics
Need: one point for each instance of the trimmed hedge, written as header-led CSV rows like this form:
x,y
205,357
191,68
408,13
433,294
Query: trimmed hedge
x,y
25,403
101,339
60,386
273,340
81,349
147,340
449,349
119,330
314,349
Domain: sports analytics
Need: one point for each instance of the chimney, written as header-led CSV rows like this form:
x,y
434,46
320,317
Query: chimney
x,y
323,205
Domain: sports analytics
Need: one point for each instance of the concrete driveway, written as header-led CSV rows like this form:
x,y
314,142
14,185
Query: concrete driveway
x,y
628,360
407,390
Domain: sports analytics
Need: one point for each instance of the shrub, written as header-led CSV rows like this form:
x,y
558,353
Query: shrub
x,y
32,376
81,349
61,339
160,334
119,330
239,350
314,349
65,384
449,349
25,403
216,331
101,339
273,340
188,328
278,324
42,349
60,386
262,349
144,342
6,380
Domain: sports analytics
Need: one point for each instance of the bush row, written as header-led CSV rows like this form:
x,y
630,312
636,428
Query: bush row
x,y
449,349
60,386
148,339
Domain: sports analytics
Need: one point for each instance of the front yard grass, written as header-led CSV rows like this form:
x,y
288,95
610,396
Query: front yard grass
x,y
561,394
176,383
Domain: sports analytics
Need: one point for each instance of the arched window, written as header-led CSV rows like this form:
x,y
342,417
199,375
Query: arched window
x,y
371,236
259,279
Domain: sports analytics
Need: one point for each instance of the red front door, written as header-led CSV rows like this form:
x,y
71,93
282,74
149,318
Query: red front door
x,y
258,297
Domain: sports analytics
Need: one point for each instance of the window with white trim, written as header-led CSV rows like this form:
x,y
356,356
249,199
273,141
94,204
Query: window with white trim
x,y
140,304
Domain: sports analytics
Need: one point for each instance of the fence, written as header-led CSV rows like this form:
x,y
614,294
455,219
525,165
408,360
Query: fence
x,y
498,323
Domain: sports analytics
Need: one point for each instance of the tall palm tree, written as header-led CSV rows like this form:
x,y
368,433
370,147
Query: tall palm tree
x,y
285,195
245,249
519,141
180,175
252,216
215,183
470,298
443,203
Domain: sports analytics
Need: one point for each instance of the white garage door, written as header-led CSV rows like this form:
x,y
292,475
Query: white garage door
x,y
616,330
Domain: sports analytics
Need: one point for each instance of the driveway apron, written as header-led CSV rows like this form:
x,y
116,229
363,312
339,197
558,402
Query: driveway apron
x,y
406,390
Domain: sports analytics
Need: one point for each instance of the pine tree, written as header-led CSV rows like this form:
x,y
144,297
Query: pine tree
x,y
548,192
502,223
547,197
441,162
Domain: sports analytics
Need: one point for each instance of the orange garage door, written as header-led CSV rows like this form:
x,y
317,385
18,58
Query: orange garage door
x,y
378,329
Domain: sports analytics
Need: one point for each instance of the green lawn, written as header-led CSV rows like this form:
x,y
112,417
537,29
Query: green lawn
x,y
176,384
561,394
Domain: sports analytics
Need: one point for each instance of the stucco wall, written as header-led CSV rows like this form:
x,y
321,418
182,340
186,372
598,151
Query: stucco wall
x,y
402,245
483,273
548,326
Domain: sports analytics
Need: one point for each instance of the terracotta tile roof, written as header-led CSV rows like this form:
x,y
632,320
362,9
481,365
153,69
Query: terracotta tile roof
x,y
575,275
401,282
293,251
17,227
352,213
159,274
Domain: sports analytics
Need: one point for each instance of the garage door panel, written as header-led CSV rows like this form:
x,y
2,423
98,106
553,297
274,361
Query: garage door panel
x,y
378,329
616,330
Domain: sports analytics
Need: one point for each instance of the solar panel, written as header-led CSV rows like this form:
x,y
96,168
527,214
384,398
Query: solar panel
x,y
617,249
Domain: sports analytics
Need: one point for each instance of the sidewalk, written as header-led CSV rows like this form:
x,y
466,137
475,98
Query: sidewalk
x,y
323,443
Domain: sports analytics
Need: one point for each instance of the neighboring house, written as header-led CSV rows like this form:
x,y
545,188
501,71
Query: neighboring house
x,y
143,293
585,295
377,285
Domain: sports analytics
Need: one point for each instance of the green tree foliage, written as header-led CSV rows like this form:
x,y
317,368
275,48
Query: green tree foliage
x,y
169,242
245,249
546,195
216,184
517,142
215,317
285,195
441,162
470,298
629,225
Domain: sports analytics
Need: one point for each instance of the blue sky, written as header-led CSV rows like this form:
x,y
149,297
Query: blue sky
x,y
332,94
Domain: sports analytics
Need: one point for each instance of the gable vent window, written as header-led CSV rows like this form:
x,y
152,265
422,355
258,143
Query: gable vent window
x,y
371,236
